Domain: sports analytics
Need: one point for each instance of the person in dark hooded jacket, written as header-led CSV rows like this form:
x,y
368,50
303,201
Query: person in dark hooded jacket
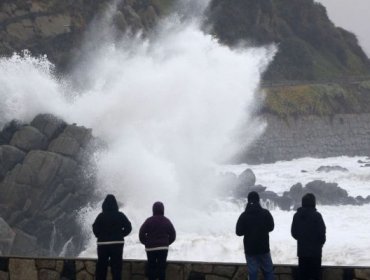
x,y
110,228
157,234
308,228
254,224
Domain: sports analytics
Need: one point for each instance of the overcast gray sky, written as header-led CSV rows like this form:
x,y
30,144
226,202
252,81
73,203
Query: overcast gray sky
x,y
353,15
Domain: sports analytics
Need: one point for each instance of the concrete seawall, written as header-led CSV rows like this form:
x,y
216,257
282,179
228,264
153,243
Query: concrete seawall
x,y
311,136
16,268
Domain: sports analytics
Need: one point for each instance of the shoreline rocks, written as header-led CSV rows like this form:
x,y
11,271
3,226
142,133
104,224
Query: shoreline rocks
x,y
43,184
326,193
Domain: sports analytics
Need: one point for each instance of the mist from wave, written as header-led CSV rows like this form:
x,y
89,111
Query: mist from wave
x,y
169,106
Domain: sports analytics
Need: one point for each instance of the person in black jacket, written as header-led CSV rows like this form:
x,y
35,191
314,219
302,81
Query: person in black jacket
x,y
255,223
308,228
110,228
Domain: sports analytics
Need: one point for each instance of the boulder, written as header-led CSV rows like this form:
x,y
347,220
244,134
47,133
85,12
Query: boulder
x,y
65,145
24,244
49,125
46,166
285,203
327,193
82,134
6,237
327,168
29,138
247,178
9,157
8,131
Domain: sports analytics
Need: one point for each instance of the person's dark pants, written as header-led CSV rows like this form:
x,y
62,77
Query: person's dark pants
x,y
157,264
309,268
263,261
109,254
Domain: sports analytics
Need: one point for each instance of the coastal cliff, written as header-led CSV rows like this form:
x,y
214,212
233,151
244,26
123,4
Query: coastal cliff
x,y
310,46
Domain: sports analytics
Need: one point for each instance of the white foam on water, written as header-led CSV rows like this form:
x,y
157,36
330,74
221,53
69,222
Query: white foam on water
x,y
281,175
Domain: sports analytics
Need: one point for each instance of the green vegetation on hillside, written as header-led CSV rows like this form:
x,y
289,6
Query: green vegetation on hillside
x,y
324,99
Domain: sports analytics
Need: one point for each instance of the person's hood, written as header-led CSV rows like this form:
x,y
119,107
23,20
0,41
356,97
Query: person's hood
x,y
304,212
253,207
110,203
158,208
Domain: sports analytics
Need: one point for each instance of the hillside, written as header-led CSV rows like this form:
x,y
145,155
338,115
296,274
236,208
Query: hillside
x,y
311,47
56,28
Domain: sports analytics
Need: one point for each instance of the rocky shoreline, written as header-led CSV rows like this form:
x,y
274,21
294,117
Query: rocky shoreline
x,y
44,181
326,193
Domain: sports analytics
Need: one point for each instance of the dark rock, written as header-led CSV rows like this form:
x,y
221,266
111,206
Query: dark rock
x,y
24,244
6,237
80,133
41,191
29,138
8,131
247,178
327,193
285,203
296,191
331,168
49,125
9,157
269,195
65,145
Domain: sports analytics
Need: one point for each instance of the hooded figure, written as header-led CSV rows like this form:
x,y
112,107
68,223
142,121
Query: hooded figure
x,y
308,228
254,224
157,234
110,228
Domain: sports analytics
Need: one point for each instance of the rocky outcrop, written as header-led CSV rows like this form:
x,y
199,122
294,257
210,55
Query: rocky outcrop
x,y
326,193
328,168
55,28
311,136
42,185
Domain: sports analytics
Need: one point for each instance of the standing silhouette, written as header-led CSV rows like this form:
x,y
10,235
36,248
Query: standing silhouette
x,y
157,234
308,228
110,228
254,224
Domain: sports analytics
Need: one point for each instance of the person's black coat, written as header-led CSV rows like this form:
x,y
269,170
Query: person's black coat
x,y
255,223
308,228
110,224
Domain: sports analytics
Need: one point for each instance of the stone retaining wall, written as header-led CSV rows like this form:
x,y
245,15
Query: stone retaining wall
x,y
311,136
14,268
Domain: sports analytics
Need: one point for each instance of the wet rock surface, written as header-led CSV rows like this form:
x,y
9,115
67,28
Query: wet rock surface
x,y
325,193
43,184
